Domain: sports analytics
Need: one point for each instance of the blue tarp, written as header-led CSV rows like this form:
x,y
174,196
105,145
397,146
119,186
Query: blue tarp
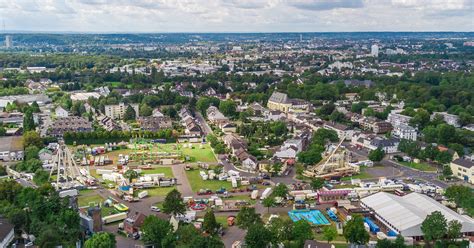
x,y
373,227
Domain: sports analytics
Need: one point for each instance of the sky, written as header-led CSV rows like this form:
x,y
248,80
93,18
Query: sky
x,y
236,15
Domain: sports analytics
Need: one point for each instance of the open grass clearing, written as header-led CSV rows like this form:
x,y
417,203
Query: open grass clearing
x,y
158,191
157,170
419,166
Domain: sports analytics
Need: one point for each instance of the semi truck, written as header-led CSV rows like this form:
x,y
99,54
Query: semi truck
x,y
114,218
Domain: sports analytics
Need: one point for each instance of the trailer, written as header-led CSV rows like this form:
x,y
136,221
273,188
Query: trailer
x,y
234,182
143,194
114,218
254,195
266,193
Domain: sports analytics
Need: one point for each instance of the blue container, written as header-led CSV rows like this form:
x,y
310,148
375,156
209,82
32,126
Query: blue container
x,y
373,227
124,188
392,233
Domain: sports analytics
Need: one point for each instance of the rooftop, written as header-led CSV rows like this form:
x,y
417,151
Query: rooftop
x,y
406,215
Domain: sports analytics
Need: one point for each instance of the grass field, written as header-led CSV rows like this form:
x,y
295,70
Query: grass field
x,y
197,183
419,166
86,198
361,175
165,170
222,220
158,191
196,153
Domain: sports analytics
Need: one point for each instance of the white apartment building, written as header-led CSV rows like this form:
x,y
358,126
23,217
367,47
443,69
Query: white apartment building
x,y
404,131
450,119
117,111
397,119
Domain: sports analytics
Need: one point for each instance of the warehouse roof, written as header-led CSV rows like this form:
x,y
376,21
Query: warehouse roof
x,y
406,213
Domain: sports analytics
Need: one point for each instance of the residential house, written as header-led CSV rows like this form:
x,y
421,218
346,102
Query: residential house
x,y
343,131
463,168
69,124
60,112
188,121
248,161
215,116
154,124
133,223
229,127
234,143
387,145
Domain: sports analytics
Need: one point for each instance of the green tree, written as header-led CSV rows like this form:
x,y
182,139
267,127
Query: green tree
x,y
28,122
35,107
131,174
258,236
32,138
454,229
31,152
461,195
154,230
130,114
210,224
101,240
434,227
280,190
447,172
173,203
376,155
247,217
329,233
228,108
145,110
268,203
317,183
281,230
354,231
302,231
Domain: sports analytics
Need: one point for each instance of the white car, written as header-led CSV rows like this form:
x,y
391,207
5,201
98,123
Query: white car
x,y
155,209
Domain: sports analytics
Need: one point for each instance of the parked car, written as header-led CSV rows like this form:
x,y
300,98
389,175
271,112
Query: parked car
x,y
204,192
155,209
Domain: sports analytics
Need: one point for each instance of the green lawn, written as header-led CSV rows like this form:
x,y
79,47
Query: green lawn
x,y
419,166
84,200
158,191
165,170
197,154
222,220
361,175
197,183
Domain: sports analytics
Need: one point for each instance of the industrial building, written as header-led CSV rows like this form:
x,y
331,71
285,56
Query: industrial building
x,y
405,214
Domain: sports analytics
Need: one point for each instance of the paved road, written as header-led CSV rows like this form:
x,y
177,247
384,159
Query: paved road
x,y
183,183
409,172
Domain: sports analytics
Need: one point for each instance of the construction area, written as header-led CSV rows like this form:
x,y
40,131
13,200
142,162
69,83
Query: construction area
x,y
336,163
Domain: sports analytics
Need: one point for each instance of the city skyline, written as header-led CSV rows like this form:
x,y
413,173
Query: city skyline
x,y
104,16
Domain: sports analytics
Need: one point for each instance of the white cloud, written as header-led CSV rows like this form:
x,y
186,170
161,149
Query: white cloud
x,y
237,15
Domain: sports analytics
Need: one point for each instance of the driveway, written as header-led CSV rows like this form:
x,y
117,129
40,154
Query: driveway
x,y
183,184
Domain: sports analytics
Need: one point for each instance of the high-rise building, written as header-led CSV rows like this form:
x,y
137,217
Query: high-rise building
x,y
8,41
118,111
374,50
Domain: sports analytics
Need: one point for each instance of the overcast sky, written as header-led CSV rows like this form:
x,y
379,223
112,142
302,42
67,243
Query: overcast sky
x,y
237,15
